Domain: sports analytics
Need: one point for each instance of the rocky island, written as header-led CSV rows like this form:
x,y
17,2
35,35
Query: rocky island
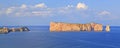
x,y
7,30
60,26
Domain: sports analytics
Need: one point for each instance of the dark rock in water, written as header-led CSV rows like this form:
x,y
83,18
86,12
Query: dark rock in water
x,y
7,30
25,29
19,29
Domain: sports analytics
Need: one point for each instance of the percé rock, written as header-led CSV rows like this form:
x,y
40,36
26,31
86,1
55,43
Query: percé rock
x,y
7,30
59,26
107,28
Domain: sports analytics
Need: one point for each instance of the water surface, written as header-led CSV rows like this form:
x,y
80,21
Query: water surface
x,y
40,37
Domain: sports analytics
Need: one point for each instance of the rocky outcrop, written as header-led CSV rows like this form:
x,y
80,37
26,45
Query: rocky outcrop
x,y
19,29
107,28
7,30
4,30
59,26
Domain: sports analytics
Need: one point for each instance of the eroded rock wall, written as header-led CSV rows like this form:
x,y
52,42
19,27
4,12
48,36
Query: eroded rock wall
x,y
59,26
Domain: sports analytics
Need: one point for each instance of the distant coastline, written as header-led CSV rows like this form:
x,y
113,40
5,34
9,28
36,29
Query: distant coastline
x,y
7,30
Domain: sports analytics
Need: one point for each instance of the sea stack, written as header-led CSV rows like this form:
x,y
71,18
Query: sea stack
x,y
107,28
66,27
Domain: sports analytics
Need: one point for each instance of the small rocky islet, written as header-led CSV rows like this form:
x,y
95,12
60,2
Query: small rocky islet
x,y
4,30
66,27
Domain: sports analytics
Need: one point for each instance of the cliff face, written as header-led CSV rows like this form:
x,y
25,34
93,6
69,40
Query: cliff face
x,y
58,26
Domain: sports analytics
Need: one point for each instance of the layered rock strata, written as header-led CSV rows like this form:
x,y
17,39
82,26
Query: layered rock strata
x,y
59,26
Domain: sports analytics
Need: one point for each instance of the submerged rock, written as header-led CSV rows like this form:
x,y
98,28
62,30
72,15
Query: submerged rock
x,y
59,26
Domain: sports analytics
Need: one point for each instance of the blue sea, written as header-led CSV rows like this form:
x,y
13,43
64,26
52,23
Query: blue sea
x,y
41,37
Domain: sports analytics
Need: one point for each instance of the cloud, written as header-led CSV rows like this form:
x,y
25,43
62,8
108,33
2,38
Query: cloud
x,y
41,5
81,6
104,13
9,10
23,6
42,10
27,10
41,13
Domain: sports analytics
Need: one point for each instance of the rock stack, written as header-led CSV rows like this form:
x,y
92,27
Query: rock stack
x,y
59,26
107,28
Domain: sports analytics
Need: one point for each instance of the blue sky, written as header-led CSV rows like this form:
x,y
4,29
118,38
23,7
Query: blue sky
x,y
42,12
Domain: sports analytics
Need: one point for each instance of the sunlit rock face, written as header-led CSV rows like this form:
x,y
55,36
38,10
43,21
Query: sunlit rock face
x,y
55,26
59,26
107,28
74,27
98,27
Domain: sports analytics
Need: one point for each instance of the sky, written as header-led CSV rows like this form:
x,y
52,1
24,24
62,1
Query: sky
x,y
42,12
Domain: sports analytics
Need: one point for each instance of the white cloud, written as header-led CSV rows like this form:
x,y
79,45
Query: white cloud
x,y
41,5
23,6
25,10
17,14
81,6
42,10
9,10
104,13
41,13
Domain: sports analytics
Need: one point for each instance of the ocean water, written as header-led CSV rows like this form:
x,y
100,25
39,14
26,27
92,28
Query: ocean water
x,y
40,37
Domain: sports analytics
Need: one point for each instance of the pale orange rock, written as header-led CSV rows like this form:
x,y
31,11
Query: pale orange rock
x,y
55,26
88,27
98,27
66,27
107,28
75,27
59,26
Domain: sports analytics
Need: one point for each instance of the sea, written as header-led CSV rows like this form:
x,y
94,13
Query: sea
x,y
41,37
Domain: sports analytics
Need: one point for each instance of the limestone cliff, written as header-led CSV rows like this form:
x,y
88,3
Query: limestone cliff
x,y
59,26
